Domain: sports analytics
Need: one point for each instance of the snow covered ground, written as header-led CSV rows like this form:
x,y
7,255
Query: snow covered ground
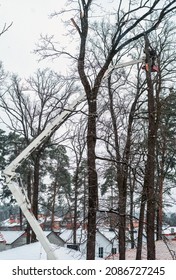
x,y
35,251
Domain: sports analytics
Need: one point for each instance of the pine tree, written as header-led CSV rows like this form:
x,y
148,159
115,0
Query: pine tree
x,y
56,195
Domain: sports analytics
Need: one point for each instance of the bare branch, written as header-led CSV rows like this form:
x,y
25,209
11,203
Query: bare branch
x,y
76,26
5,28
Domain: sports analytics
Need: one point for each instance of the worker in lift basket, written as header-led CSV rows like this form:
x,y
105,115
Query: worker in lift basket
x,y
154,67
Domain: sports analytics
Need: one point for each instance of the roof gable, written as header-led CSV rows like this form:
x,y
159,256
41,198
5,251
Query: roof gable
x,y
11,236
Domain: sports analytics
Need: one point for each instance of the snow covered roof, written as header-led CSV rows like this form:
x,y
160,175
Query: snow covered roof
x,y
56,219
10,236
35,251
7,223
81,235
169,230
47,233
67,235
162,251
109,234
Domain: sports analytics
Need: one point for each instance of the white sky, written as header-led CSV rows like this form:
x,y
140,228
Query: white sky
x,y
30,19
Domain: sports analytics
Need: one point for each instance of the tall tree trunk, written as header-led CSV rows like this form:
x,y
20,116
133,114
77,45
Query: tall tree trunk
x,y
122,168
28,227
53,204
84,202
92,179
91,94
160,185
150,166
122,221
75,206
121,189
132,185
35,191
141,220
160,204
21,219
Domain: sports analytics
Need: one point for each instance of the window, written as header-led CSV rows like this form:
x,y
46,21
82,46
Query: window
x,y
100,252
73,246
172,230
114,251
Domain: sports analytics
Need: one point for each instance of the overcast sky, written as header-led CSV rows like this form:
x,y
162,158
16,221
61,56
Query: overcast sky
x,y
30,19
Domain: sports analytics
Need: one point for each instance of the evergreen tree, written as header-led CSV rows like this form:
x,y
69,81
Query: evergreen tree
x,y
3,149
56,195
79,180
109,187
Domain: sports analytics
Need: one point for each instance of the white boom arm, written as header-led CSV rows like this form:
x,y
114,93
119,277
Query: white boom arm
x,y
25,206
9,171
125,64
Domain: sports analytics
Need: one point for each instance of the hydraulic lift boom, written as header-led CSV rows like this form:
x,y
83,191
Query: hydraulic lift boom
x,y
11,176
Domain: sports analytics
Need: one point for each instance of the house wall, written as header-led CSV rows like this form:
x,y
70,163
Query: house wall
x,y
83,248
18,242
101,242
115,245
11,228
2,246
55,240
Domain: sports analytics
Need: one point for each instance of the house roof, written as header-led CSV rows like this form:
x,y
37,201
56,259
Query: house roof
x,y
109,234
81,235
67,235
47,233
169,230
7,223
11,236
162,251
56,219
34,251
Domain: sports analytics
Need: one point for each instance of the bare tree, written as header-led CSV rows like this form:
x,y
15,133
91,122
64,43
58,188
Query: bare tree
x,y
120,138
120,37
165,91
77,146
29,108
